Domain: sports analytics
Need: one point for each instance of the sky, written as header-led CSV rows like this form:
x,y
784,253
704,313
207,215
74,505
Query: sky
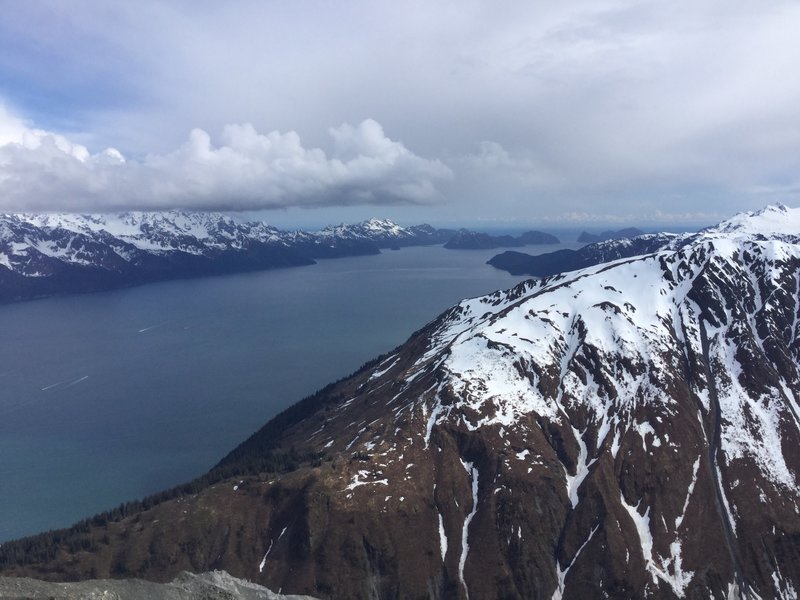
x,y
601,112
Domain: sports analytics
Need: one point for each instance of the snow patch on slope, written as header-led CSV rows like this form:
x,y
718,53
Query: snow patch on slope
x,y
670,570
462,561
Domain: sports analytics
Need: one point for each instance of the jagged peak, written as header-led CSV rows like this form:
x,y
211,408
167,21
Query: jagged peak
x,y
130,222
380,222
382,225
370,227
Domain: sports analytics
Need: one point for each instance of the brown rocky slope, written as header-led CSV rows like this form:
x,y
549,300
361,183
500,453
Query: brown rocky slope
x,y
626,431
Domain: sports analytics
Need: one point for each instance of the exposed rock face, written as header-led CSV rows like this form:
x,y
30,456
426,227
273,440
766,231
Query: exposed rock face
x,y
216,585
42,255
631,430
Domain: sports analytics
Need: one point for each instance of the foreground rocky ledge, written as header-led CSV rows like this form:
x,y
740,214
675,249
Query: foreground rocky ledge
x,y
214,585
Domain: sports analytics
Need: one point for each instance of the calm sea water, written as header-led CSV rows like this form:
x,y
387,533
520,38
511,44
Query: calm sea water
x,y
109,397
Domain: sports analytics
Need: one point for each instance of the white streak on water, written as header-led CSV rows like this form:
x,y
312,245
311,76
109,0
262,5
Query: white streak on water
x,y
52,385
77,381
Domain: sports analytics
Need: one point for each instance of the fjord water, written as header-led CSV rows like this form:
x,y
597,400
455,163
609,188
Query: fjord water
x,y
108,397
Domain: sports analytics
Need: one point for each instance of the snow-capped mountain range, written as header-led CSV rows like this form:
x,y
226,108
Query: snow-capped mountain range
x,y
56,253
627,430
624,246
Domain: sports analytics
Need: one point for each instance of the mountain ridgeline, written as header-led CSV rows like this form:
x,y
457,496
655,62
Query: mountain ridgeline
x,y
628,430
590,238
560,261
45,255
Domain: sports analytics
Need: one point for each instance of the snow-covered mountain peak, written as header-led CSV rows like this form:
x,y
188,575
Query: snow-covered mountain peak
x,y
660,390
605,341
771,222
382,225
370,228
134,223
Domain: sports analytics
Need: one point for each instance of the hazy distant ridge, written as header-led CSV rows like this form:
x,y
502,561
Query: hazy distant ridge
x,y
47,254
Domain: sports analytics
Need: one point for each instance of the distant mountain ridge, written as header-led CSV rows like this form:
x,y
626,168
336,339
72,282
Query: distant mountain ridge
x,y
43,255
627,430
472,240
624,244
564,260
590,238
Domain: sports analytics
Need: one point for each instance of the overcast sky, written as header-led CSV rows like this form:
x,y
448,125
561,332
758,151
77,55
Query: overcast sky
x,y
549,113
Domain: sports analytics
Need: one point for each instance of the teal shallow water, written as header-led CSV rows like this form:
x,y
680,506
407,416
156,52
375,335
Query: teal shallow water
x,y
108,397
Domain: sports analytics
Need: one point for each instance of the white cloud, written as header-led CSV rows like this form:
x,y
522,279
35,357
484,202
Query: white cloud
x,y
591,106
495,163
14,132
247,170
658,217
492,155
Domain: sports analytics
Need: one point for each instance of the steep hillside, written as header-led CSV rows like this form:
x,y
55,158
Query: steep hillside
x,y
630,430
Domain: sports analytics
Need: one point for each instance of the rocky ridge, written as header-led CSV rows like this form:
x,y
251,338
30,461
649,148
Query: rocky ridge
x,y
215,585
629,430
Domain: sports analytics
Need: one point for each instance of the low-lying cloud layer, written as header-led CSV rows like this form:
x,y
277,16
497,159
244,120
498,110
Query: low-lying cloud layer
x,y
245,170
